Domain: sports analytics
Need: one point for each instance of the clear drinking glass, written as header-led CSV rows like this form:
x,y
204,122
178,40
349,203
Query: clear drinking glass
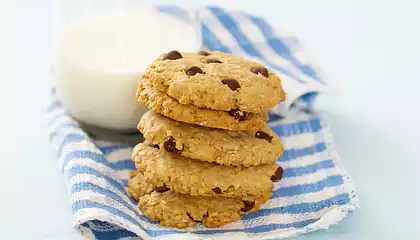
x,y
103,46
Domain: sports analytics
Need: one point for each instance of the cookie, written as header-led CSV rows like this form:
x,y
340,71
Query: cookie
x,y
174,209
198,178
246,148
216,80
161,103
137,185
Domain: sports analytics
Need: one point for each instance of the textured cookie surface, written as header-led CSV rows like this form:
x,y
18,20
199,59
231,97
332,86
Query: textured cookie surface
x,y
161,103
137,185
224,147
198,178
173,209
216,80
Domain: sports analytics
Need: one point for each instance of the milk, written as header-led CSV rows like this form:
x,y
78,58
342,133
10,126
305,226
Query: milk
x,y
99,64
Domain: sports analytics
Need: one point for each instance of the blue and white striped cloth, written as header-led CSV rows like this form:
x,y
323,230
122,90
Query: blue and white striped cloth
x,y
315,192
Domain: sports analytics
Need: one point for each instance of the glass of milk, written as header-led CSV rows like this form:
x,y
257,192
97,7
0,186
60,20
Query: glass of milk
x,y
103,47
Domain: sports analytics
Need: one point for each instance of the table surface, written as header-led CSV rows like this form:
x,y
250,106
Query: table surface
x,y
368,49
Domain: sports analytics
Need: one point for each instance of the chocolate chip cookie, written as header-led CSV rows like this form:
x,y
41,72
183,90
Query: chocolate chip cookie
x,y
246,148
216,80
174,209
137,185
199,178
161,103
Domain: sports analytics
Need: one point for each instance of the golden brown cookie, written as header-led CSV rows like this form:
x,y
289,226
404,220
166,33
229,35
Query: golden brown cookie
x,y
198,178
161,103
216,80
174,209
240,148
137,186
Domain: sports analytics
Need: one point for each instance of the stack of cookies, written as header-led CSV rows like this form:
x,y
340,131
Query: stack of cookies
x,y
208,156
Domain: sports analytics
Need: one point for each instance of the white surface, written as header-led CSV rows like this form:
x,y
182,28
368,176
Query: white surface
x,y
99,63
369,48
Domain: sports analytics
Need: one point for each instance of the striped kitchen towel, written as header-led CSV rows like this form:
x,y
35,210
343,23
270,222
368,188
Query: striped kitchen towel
x,y
315,193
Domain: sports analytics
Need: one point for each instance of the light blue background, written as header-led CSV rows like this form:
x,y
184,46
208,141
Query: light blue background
x,y
369,49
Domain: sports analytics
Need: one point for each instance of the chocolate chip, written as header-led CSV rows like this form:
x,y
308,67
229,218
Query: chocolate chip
x,y
154,145
197,221
170,144
232,83
217,190
238,115
191,71
277,175
161,189
212,60
262,70
248,205
263,135
172,55
133,174
204,53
